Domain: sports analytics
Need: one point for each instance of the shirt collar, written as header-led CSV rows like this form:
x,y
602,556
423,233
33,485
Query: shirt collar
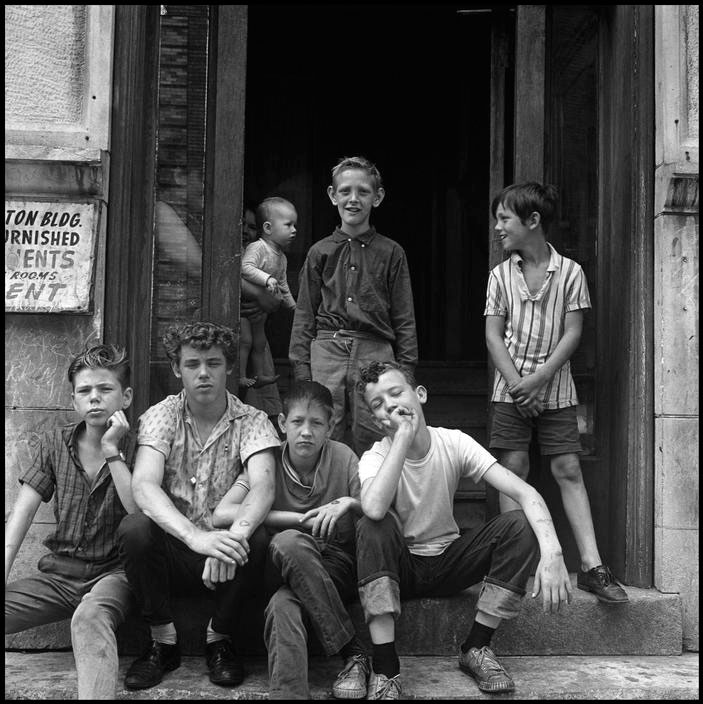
x,y
554,259
235,408
365,237
292,472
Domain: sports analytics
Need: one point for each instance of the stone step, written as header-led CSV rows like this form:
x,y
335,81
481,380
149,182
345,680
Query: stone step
x,y
51,676
650,624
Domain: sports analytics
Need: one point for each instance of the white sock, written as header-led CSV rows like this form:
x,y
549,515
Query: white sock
x,y
213,636
166,633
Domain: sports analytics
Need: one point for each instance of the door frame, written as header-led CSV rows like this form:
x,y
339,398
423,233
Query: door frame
x,y
130,223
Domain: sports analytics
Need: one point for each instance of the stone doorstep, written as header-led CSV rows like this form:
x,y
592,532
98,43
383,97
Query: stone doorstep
x,y
51,676
650,624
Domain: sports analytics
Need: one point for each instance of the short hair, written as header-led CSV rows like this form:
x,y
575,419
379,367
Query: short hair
x,y
357,162
370,374
527,198
110,357
308,392
202,336
265,208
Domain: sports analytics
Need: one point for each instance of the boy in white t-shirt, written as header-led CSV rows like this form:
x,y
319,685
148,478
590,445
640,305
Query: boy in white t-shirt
x,y
408,544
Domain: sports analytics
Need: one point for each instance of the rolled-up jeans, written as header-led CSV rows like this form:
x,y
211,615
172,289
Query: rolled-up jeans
x,y
335,360
316,583
501,554
96,603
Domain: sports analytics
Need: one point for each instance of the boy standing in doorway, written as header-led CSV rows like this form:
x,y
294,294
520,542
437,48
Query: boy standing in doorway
x,y
534,317
86,467
354,303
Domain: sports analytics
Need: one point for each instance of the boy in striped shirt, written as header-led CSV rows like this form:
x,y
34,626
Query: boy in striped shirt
x,y
534,317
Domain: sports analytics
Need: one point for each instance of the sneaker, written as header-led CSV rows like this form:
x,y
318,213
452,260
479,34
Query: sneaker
x,y
484,667
352,681
149,669
224,666
382,687
600,581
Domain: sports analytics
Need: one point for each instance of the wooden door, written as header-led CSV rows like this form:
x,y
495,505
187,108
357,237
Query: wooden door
x,y
174,233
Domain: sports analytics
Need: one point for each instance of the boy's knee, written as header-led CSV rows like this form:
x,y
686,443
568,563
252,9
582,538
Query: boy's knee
x,y
368,530
289,543
87,617
517,461
134,533
566,467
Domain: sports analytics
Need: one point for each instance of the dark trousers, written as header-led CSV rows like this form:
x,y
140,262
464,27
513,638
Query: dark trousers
x,y
501,553
160,566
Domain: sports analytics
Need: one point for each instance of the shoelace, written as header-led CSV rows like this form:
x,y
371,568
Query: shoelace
x,y
603,575
355,659
487,661
389,684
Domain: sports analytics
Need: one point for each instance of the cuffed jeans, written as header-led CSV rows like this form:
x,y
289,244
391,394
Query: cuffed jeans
x,y
335,360
500,553
315,585
98,605
159,566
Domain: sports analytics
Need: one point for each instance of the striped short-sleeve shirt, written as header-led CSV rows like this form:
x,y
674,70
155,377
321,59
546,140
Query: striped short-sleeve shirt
x,y
534,323
197,476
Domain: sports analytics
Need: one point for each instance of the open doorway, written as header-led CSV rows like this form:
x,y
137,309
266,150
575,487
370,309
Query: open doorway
x,y
407,86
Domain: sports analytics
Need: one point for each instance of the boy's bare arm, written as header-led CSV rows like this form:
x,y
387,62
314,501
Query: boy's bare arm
x,y
257,504
153,500
498,352
118,427
377,493
530,385
551,576
18,523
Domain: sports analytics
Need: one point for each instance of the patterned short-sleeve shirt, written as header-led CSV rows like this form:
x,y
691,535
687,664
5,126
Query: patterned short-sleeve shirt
x,y
534,323
197,476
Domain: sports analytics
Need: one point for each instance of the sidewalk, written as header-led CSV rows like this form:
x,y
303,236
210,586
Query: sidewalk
x,y
51,676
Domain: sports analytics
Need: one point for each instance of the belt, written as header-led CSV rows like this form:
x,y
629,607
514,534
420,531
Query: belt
x,y
334,334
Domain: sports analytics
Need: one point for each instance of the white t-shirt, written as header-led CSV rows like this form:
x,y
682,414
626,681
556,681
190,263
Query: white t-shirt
x,y
424,501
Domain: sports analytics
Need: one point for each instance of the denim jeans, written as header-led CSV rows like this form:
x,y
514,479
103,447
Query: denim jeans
x,y
500,553
97,605
159,566
314,586
335,359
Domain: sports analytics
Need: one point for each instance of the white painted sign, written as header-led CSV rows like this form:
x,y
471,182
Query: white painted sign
x,y
49,256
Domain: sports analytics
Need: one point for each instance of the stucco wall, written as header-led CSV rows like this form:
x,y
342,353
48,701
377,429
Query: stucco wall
x,y
58,81
676,529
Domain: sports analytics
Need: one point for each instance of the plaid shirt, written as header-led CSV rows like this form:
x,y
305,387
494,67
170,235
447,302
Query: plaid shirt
x,y
86,515
534,323
196,476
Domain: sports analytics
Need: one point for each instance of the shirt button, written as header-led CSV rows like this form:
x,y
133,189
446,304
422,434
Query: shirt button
x,y
349,298
363,245
353,268
349,240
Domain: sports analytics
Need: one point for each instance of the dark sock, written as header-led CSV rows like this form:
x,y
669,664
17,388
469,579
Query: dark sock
x,y
479,635
353,647
385,659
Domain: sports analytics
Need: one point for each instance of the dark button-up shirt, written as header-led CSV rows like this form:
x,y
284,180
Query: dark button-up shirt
x,y
87,513
360,284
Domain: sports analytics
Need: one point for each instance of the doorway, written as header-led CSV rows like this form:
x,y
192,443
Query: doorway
x,y
407,86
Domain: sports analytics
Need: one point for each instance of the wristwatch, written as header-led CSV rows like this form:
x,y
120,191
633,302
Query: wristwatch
x,y
115,458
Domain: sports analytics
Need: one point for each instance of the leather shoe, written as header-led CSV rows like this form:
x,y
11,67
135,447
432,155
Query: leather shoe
x,y
149,669
225,668
600,581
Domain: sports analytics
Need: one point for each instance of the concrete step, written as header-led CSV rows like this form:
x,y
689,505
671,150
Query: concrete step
x,y
51,676
650,624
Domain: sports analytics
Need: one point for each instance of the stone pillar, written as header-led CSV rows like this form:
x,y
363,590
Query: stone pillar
x,y
676,420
